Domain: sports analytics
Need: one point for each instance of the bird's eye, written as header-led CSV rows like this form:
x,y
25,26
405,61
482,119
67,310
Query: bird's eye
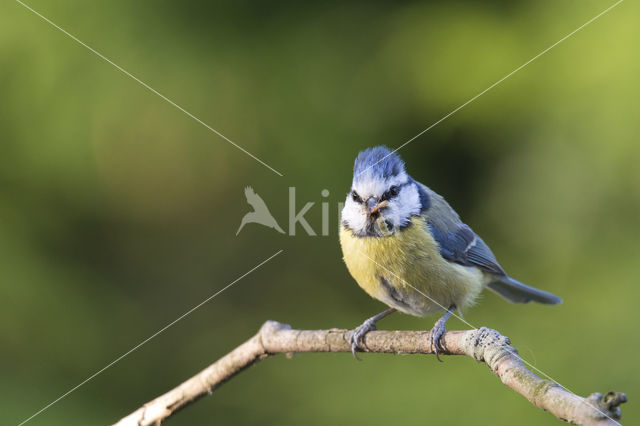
x,y
355,197
390,193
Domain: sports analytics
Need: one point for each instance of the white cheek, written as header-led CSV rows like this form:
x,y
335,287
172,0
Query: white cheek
x,y
409,198
406,204
392,214
354,215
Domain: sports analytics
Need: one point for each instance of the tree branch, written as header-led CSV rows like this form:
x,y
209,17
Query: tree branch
x,y
482,344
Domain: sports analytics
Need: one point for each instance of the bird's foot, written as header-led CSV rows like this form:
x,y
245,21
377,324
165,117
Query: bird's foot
x,y
359,333
438,330
436,334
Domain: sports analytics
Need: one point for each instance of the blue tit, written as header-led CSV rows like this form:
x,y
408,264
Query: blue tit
x,y
405,246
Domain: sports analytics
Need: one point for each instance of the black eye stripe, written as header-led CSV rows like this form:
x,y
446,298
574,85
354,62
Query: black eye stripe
x,y
392,192
387,196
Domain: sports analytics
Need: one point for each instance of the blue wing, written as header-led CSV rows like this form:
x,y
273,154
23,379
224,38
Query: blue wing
x,y
459,244
463,246
456,241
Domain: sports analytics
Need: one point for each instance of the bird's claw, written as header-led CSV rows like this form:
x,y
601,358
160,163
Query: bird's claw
x,y
358,336
436,334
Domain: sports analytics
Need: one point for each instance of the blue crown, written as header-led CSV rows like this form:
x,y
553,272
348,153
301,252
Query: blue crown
x,y
378,162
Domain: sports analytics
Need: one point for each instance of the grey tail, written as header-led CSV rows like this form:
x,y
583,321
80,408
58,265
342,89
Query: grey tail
x,y
516,292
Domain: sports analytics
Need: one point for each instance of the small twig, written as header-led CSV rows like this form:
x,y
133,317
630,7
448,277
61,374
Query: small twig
x,y
482,344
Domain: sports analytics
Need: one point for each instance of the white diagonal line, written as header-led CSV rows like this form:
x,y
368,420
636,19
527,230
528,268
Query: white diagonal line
x,y
580,399
149,338
496,83
146,86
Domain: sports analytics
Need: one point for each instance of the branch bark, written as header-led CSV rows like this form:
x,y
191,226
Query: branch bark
x,y
482,344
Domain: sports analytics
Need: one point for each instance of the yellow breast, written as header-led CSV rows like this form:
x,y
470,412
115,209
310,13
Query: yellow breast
x,y
405,270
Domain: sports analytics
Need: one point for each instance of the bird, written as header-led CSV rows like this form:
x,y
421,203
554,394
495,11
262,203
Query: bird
x,y
405,246
260,213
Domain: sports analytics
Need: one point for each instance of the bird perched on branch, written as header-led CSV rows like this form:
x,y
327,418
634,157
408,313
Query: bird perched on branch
x,y
406,247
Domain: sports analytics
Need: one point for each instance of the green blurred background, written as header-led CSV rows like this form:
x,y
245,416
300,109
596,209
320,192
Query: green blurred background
x,y
118,212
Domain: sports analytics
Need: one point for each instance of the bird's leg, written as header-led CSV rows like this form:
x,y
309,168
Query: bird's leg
x,y
438,331
364,328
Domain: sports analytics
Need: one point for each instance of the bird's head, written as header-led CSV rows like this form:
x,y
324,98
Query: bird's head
x,y
383,196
